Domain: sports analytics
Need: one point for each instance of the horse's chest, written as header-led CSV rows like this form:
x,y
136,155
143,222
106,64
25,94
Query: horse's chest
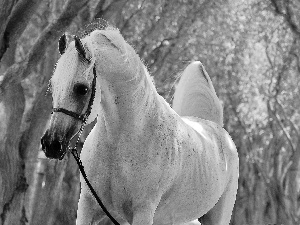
x,y
97,160
123,175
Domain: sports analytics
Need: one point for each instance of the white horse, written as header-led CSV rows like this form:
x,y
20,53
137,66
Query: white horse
x,y
147,164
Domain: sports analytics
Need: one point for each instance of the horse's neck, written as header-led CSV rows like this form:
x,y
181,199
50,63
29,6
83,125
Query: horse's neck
x,y
127,106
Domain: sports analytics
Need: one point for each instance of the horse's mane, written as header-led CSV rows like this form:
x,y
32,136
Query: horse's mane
x,y
94,37
129,57
97,24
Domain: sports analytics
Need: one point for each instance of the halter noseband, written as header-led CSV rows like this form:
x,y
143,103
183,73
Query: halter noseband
x,y
82,117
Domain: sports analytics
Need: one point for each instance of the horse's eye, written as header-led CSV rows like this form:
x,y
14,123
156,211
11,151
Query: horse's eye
x,y
81,89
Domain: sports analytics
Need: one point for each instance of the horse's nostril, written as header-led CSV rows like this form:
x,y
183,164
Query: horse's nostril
x,y
56,145
51,147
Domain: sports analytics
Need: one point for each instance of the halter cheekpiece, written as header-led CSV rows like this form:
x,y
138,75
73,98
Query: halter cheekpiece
x,y
82,117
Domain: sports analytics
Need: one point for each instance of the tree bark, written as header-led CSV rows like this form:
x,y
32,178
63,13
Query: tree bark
x,y
18,20
12,177
48,191
6,8
12,173
293,186
110,10
30,141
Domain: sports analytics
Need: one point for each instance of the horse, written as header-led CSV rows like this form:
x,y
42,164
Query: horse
x,y
148,164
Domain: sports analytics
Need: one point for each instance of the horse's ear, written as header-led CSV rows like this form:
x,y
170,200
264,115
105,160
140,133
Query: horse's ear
x,y
62,44
82,51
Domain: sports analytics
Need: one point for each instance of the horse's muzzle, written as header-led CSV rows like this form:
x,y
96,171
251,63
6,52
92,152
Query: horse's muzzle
x,y
53,147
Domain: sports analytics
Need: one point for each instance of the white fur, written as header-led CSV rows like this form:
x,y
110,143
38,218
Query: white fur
x,y
146,163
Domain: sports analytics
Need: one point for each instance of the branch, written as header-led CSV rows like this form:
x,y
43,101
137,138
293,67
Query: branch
x,y
287,15
278,120
110,12
285,170
136,12
19,18
6,7
19,71
296,130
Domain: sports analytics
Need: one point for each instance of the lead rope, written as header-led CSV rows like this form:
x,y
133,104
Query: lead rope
x,y
81,168
77,158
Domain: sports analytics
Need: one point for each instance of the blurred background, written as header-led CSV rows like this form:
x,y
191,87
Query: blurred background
x,y
250,48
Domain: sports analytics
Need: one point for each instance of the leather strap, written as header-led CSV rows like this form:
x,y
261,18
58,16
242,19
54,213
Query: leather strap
x,y
83,117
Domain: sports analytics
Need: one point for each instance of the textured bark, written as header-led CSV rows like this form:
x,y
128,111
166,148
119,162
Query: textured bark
x,y
18,20
110,10
48,37
289,11
12,106
30,142
12,178
48,189
66,210
6,7
293,186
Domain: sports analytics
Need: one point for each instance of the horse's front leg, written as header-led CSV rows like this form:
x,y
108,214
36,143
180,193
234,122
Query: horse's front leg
x,y
143,215
88,212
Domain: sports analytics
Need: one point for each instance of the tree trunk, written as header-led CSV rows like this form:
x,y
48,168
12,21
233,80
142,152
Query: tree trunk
x,y
12,104
30,142
6,7
12,177
69,194
50,181
293,186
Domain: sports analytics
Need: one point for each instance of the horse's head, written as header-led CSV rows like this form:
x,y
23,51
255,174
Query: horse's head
x,y
75,96
104,52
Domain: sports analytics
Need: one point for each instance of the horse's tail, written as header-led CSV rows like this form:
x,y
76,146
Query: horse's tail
x,y
195,95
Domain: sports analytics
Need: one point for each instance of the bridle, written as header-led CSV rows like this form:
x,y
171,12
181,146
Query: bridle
x,y
83,118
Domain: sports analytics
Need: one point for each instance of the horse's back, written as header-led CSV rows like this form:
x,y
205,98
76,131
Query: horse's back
x,y
196,96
